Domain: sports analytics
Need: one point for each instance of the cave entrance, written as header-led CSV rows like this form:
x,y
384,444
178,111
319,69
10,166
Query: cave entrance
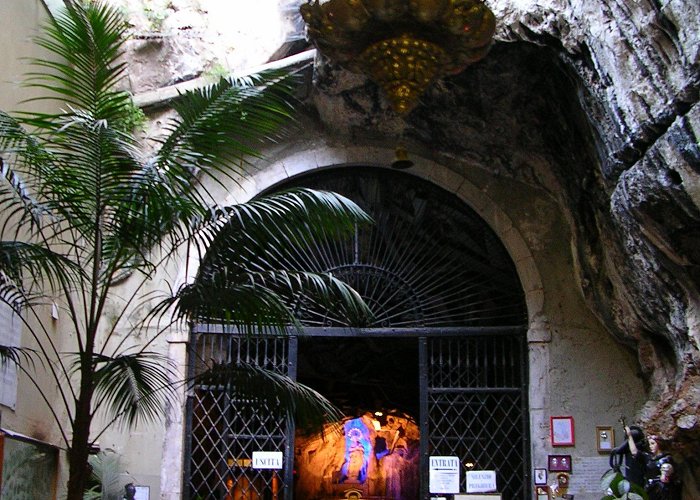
x,y
445,350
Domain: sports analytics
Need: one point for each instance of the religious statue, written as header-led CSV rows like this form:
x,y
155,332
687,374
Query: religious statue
x,y
358,449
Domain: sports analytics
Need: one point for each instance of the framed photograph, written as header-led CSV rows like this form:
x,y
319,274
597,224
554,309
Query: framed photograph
x,y
559,463
540,477
542,493
562,431
605,438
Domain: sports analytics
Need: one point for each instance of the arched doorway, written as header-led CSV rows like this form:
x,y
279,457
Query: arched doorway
x,y
447,343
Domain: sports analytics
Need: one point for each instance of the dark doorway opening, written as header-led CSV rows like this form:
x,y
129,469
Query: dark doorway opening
x,y
362,375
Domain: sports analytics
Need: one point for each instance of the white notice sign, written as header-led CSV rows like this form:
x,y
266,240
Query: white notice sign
x,y
481,481
444,475
267,460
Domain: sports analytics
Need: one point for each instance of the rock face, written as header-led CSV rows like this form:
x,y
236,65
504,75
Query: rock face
x,y
596,103
634,201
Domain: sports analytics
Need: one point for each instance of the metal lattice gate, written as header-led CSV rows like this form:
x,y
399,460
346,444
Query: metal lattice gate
x,y
224,431
474,393
430,269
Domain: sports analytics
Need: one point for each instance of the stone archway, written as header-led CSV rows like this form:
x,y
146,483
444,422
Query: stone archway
x,y
435,272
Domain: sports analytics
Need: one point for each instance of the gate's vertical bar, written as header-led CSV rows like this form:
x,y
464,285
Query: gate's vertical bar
x,y
525,409
423,415
288,491
189,403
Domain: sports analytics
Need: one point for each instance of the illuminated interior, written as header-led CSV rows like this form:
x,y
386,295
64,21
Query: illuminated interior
x,y
375,452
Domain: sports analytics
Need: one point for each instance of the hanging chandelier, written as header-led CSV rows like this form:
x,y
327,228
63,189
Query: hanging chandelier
x,y
403,45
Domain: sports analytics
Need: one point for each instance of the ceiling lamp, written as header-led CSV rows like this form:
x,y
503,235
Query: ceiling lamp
x,y
403,45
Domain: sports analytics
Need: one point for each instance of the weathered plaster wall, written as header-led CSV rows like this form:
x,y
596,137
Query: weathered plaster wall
x,y
20,21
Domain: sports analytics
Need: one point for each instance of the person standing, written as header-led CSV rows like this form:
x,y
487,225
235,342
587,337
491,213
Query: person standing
x,y
661,478
631,457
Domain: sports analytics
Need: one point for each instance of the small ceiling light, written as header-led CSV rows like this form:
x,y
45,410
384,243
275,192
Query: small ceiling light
x,y
401,160
403,45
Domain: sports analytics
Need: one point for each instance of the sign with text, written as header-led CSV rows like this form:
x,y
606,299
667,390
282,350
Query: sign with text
x,y
481,481
444,475
267,460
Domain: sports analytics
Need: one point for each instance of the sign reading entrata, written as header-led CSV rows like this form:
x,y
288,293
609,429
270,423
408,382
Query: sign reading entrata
x,y
267,460
444,475
481,481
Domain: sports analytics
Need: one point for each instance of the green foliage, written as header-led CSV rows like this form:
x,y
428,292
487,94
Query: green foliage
x,y
616,487
84,208
134,119
105,477
156,17
216,72
23,464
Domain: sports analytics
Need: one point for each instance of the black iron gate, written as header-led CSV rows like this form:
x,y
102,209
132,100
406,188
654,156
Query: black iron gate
x,y
223,431
429,268
474,407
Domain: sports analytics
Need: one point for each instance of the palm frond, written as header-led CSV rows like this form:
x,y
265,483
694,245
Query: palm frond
x,y
133,386
217,126
22,261
262,301
17,192
282,219
276,393
105,470
88,39
9,354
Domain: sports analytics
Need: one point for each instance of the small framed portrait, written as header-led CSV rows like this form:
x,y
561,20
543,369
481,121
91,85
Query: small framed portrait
x,y
559,463
562,431
605,438
540,477
542,493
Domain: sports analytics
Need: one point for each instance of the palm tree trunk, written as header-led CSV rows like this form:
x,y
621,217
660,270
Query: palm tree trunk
x,y
79,448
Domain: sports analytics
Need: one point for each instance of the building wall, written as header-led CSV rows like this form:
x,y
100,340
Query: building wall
x,y
20,21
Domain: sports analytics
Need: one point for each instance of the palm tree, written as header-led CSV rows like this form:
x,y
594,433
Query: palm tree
x,y
85,208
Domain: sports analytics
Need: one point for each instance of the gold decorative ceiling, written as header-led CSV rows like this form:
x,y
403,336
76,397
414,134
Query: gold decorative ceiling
x,y
403,45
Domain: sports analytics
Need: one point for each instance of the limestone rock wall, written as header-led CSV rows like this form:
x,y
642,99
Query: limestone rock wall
x,y
636,64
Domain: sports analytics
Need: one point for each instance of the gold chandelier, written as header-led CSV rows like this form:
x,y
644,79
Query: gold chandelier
x,y
403,45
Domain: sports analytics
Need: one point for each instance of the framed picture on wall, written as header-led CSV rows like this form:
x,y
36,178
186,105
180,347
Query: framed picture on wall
x,y
559,463
540,477
562,431
605,438
542,493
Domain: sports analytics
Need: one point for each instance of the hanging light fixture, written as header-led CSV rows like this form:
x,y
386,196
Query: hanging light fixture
x,y
403,45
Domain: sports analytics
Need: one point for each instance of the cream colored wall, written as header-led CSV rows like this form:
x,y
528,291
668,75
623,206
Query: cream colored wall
x,y
20,20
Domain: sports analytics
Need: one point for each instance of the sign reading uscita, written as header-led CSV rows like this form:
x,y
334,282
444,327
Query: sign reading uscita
x,y
267,460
